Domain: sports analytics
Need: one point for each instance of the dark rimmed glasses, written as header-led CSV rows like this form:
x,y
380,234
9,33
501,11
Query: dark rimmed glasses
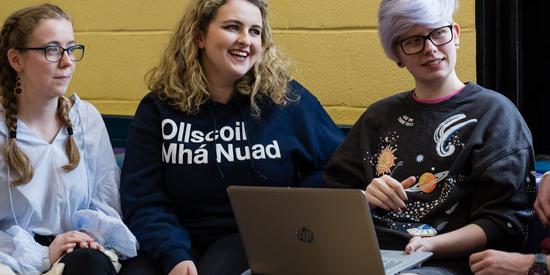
x,y
55,53
416,44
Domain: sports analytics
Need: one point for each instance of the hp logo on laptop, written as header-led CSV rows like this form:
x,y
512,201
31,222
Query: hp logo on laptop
x,y
304,234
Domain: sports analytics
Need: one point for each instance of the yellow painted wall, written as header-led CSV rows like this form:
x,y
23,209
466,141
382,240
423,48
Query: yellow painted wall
x,y
334,46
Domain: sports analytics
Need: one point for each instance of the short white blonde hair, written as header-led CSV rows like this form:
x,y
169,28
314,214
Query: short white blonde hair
x,y
396,17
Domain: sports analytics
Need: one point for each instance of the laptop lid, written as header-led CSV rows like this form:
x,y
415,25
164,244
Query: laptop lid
x,y
307,231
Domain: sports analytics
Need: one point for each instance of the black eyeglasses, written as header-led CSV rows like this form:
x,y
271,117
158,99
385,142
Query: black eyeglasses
x,y
55,53
416,44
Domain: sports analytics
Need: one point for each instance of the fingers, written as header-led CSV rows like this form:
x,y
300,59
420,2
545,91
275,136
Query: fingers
x,y
68,247
379,199
476,257
83,244
413,245
93,245
74,236
97,246
416,243
408,182
398,193
543,211
478,261
387,193
68,241
184,268
478,266
73,240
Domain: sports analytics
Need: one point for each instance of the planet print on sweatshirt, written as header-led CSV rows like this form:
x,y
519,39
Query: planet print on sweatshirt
x,y
427,182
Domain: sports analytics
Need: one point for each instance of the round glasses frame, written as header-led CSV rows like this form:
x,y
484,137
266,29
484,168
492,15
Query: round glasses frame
x,y
426,37
60,52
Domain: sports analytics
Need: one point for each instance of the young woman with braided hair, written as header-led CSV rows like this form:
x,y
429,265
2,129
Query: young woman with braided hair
x,y
59,203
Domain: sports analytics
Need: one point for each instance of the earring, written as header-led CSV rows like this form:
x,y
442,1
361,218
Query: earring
x,y
457,45
17,90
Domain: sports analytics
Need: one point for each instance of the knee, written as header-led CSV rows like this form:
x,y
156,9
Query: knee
x,y
87,261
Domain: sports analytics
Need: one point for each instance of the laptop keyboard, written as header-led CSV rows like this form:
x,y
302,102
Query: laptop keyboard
x,y
389,264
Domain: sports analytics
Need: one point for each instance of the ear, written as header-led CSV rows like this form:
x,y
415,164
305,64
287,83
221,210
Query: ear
x,y
456,28
200,41
16,62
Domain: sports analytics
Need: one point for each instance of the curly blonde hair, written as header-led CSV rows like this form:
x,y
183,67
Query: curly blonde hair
x,y
179,77
13,35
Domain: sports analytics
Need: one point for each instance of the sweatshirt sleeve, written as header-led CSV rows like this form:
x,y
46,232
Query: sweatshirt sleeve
x,y
146,208
502,205
345,167
501,180
21,253
320,137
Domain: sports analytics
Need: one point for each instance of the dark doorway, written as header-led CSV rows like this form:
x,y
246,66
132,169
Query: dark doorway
x,y
512,58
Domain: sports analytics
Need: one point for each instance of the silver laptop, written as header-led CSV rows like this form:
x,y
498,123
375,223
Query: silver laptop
x,y
288,231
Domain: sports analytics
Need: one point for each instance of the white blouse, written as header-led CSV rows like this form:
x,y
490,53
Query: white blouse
x,y
56,201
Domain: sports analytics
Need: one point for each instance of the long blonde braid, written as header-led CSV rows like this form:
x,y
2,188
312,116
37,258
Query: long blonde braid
x,y
13,154
63,108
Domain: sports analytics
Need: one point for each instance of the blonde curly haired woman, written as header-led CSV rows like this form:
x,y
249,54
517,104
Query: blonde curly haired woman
x,y
223,111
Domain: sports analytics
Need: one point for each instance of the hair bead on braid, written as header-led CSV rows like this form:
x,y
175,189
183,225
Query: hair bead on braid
x,y
71,148
12,134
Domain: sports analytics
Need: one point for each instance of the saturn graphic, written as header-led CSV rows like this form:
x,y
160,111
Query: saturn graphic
x,y
428,182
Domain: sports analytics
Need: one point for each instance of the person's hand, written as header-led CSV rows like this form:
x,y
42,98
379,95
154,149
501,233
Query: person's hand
x,y
88,244
419,244
65,243
387,193
184,268
499,262
542,203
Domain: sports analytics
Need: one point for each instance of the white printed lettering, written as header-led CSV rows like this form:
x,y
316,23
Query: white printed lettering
x,y
174,129
170,155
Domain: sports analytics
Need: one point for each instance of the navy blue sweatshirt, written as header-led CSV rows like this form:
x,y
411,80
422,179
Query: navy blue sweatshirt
x,y
177,166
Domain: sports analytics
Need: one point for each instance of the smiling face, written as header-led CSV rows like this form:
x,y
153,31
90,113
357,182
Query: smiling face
x,y
232,43
433,63
40,77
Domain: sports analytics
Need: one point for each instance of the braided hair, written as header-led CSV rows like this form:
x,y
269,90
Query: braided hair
x,y
13,35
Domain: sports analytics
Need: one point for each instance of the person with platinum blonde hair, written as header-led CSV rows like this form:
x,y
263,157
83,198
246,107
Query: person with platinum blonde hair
x,y
447,165
223,111
396,17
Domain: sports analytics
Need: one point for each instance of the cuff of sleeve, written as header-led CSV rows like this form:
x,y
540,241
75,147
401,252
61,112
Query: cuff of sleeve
x,y
45,258
491,231
496,238
173,257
